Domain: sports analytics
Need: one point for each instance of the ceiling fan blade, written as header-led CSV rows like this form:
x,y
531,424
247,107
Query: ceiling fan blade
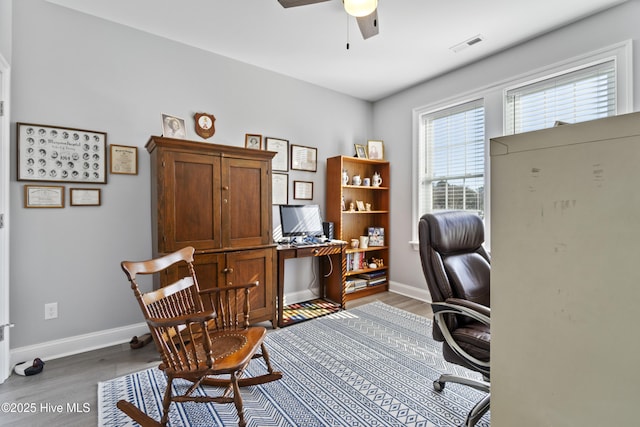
x,y
369,24
293,3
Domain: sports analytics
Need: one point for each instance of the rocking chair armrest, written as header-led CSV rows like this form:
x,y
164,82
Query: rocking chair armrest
x,y
228,288
185,319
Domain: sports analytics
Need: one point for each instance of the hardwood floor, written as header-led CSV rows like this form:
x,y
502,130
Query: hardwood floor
x,y
65,393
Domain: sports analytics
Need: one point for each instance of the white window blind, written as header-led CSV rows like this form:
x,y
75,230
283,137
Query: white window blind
x,y
452,159
585,94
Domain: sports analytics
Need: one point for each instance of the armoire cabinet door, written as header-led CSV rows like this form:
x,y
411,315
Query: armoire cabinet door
x,y
250,266
246,203
189,203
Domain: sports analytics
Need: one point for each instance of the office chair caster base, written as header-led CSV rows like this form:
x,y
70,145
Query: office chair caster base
x,y
438,385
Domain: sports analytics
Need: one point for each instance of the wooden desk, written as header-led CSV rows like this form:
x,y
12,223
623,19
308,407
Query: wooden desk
x,y
332,286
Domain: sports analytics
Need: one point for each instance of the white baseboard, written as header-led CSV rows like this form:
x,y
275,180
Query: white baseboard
x,y
77,344
410,291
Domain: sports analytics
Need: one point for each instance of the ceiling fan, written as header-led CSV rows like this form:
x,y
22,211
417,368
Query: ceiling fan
x,y
365,11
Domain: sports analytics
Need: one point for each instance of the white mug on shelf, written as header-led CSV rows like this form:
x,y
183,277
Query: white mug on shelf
x,y
364,242
377,180
345,177
356,180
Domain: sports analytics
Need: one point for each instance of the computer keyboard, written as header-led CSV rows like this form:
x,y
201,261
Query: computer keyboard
x,y
304,244
312,243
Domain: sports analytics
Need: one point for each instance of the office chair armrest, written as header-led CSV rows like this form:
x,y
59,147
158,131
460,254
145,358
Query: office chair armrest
x,y
472,306
465,308
183,320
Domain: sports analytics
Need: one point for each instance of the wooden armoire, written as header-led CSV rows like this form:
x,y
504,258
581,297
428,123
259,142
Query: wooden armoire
x,y
216,198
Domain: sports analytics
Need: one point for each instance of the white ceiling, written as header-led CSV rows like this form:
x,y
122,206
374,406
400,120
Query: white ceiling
x,y
309,42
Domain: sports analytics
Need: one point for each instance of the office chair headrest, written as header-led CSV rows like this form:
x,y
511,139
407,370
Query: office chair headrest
x,y
455,231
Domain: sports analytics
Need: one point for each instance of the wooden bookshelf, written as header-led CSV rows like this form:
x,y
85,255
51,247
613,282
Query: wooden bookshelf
x,y
351,224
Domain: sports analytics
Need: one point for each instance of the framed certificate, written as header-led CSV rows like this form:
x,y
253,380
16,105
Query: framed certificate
x,y
124,160
303,190
280,188
304,158
84,196
280,161
43,196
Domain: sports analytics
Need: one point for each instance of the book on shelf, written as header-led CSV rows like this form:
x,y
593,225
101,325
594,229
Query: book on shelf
x,y
355,284
356,261
372,274
378,281
376,236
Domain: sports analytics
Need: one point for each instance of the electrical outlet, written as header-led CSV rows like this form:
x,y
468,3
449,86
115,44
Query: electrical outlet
x,y
51,310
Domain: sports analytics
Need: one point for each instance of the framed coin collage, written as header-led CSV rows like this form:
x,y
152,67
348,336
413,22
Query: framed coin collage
x,y
50,153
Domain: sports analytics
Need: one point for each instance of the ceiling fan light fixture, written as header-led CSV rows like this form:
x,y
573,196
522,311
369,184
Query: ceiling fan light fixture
x,y
360,8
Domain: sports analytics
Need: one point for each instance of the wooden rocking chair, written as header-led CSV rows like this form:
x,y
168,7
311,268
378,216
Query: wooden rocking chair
x,y
202,336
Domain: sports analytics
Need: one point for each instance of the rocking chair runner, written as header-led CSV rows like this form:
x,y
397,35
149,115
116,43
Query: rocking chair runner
x,y
202,336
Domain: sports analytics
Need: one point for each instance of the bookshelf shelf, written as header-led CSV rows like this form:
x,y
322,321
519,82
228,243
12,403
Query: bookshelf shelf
x,y
364,212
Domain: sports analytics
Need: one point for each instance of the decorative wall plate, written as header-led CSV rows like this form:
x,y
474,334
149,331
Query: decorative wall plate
x,y
205,125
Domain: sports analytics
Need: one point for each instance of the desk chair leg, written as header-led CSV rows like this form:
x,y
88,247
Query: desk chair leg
x,y
477,411
480,408
438,385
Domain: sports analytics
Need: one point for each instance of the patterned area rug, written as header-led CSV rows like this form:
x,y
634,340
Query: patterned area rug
x,y
368,366
301,311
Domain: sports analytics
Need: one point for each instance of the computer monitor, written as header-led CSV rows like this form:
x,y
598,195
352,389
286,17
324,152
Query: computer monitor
x,y
301,220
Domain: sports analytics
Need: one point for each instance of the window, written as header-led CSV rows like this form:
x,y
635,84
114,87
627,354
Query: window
x,y
451,159
448,176
585,94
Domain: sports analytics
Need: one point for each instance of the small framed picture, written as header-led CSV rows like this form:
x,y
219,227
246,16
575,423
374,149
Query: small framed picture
x,y
304,158
303,190
279,188
84,196
173,127
124,160
43,196
376,236
253,141
361,151
360,205
375,150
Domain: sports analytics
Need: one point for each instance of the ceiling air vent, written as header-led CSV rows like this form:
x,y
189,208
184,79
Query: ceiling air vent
x,y
465,44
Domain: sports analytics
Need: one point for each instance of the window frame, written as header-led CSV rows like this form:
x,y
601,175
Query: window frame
x,y
622,56
436,114
507,118
495,121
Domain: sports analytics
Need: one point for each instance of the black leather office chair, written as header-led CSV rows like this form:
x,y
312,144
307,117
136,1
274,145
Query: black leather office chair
x,y
457,269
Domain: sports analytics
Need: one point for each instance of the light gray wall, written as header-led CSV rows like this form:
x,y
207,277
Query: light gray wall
x,y
392,117
74,70
5,29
